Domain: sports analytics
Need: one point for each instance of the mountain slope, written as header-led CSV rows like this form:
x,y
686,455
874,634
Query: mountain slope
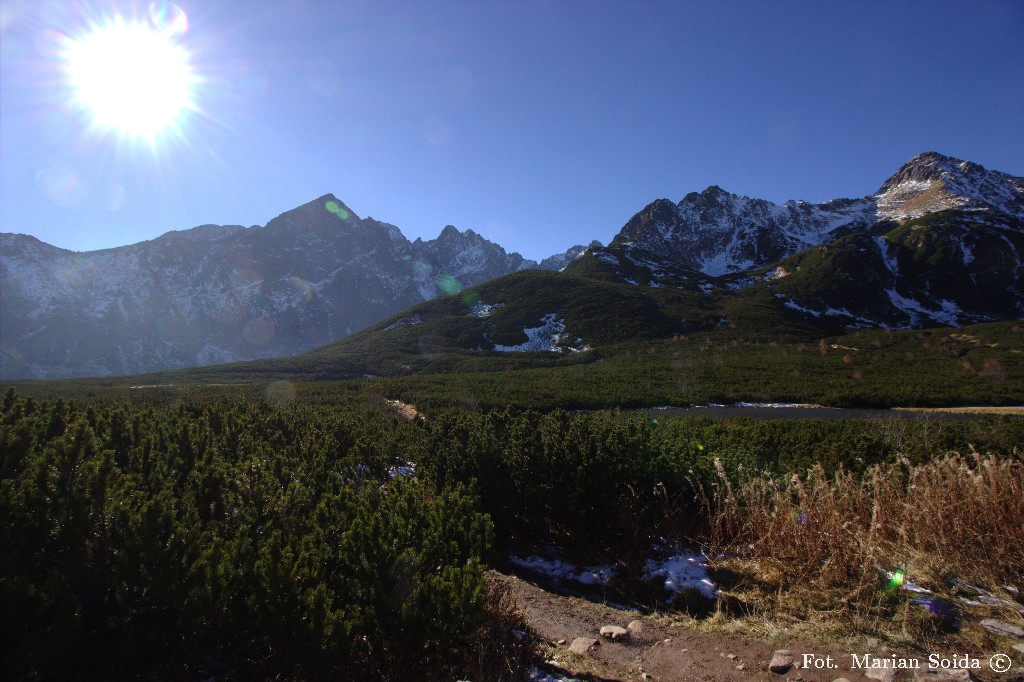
x,y
218,294
718,233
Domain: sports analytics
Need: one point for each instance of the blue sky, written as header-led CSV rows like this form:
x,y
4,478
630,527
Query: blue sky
x,y
537,124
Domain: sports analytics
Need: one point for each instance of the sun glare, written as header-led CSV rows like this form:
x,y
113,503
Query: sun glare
x,y
131,78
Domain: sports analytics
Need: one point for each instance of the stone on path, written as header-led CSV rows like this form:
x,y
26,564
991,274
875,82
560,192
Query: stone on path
x,y
614,633
583,645
782,661
1002,628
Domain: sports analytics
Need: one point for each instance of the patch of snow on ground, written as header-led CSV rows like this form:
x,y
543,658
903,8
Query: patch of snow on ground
x,y
947,314
967,252
402,469
790,303
723,264
777,273
861,321
683,572
890,261
482,309
563,570
706,287
549,336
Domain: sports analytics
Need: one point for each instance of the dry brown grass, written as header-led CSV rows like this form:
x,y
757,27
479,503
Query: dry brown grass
x,y
818,546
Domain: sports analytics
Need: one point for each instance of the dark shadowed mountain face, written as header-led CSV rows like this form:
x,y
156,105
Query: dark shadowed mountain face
x,y
216,294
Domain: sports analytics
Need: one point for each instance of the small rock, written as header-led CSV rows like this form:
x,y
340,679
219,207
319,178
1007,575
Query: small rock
x,y
741,666
583,645
944,674
840,679
667,641
560,642
881,674
684,650
614,633
636,627
646,676
872,642
782,661
1003,629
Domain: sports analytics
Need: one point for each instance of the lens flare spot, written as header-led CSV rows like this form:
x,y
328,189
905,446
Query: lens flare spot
x,y
436,131
279,393
243,278
259,331
899,577
63,185
336,209
322,78
116,196
168,18
422,269
302,289
470,299
228,311
448,284
801,518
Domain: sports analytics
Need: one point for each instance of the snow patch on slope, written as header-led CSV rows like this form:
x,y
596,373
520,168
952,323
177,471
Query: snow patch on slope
x,y
550,336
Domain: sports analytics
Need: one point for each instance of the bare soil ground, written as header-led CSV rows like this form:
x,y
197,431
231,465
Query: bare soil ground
x,y
670,650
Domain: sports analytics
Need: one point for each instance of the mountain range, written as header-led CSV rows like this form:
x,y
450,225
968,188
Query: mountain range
x,y
938,244
216,294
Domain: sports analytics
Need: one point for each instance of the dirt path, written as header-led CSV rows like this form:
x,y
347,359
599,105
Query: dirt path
x,y
667,652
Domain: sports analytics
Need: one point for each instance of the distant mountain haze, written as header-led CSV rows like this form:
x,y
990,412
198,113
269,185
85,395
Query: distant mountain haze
x,y
216,294
938,244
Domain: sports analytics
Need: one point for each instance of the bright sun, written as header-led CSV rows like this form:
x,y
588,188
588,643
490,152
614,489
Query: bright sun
x,y
131,78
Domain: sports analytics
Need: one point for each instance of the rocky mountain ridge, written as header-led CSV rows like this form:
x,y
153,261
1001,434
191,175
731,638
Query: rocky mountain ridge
x,y
716,233
217,294
940,243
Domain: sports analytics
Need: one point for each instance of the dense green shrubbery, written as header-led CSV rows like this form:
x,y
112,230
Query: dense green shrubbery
x,y
249,539
608,483
228,537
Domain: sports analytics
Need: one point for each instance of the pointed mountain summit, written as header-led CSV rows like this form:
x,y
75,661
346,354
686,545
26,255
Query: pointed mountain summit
x,y
932,182
718,233
216,294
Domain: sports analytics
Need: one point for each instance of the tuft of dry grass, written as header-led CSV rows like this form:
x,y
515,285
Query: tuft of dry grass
x,y
820,546
503,648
